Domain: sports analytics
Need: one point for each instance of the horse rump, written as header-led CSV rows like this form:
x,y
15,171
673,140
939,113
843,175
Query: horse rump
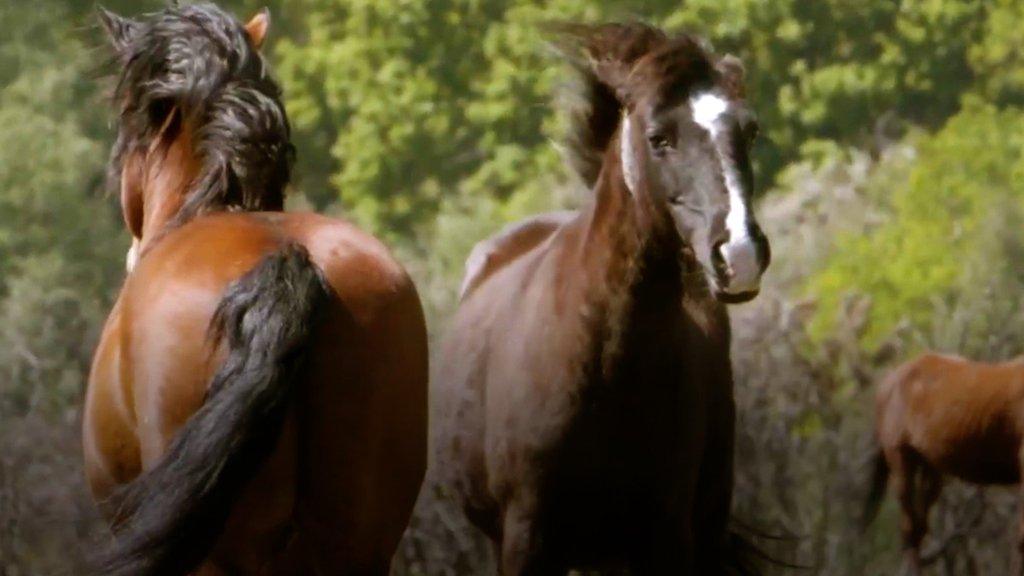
x,y
169,517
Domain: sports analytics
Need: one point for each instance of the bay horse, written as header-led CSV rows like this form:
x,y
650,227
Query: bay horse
x,y
945,415
257,403
583,411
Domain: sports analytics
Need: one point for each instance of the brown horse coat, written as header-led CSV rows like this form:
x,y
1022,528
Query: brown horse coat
x,y
512,242
583,408
945,415
257,401
346,470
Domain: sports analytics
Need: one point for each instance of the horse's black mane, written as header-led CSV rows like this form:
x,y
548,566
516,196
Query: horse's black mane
x,y
605,58
198,61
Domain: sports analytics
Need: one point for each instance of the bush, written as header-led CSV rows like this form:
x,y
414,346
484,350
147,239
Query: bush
x,y
952,221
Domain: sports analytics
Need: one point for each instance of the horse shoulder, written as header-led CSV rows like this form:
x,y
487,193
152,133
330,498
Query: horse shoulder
x,y
109,439
496,252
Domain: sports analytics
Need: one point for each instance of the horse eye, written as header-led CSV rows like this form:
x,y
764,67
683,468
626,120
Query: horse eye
x,y
659,142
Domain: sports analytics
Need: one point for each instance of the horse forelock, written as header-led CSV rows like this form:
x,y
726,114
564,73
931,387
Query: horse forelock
x,y
198,62
619,64
673,72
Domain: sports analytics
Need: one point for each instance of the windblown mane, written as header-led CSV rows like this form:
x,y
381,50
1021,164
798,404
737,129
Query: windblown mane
x,y
197,62
617,63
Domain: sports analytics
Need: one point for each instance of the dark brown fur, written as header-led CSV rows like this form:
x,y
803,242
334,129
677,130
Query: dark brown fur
x,y
583,402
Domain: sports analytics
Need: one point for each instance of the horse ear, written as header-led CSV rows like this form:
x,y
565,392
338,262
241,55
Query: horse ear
x,y
257,27
120,30
734,74
616,76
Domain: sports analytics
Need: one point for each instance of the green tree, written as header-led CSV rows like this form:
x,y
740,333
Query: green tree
x,y
399,104
61,257
955,219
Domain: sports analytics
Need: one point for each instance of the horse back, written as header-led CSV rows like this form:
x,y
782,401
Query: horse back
x,y
356,434
965,418
515,240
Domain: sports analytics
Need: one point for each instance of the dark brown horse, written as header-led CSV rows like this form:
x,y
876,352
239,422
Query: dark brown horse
x,y
257,403
945,415
584,407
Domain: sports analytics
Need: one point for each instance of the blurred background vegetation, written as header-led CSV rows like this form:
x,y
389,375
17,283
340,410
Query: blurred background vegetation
x,y
891,184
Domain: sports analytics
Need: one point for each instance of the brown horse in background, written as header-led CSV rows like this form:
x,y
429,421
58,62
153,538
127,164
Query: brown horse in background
x,y
583,403
945,415
257,402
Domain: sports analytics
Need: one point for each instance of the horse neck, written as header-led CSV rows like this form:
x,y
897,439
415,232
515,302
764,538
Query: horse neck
x,y
622,224
624,234
614,245
613,238
169,176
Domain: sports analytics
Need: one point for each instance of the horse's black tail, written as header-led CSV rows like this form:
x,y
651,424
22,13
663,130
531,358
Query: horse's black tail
x,y
170,516
879,482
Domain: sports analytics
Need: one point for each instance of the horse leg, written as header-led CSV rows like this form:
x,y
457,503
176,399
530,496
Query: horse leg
x,y
905,467
712,503
930,487
523,550
673,547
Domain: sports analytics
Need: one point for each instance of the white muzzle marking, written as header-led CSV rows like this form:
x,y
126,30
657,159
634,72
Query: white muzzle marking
x,y
740,253
744,267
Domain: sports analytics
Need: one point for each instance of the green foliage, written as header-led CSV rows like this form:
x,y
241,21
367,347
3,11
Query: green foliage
x,y
400,103
373,92
51,174
52,206
998,57
61,257
891,139
839,70
417,101
949,215
47,329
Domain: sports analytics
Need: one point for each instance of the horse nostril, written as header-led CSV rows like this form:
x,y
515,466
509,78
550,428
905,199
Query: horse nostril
x,y
718,261
763,246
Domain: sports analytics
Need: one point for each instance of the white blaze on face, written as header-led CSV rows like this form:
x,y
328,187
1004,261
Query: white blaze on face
x,y
740,253
630,170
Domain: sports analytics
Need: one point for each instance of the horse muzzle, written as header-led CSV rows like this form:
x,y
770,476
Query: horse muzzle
x,y
739,266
